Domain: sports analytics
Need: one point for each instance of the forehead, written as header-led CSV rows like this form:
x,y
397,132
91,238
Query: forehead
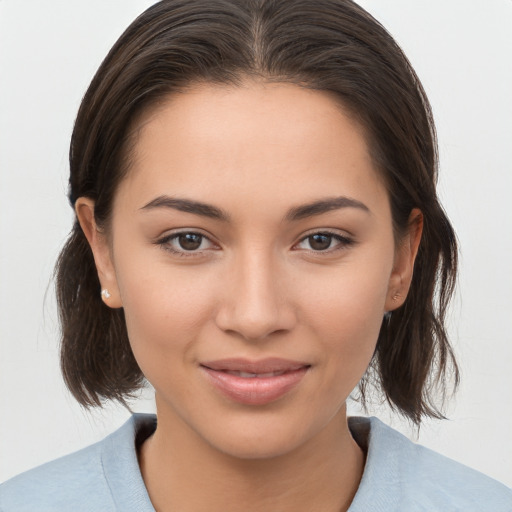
x,y
231,141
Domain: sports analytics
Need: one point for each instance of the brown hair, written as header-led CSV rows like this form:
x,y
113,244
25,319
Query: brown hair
x,y
330,45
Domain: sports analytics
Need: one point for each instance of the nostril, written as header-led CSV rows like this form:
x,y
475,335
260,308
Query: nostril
x,y
255,328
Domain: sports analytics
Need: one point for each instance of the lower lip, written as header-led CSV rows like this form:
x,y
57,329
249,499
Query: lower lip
x,y
255,390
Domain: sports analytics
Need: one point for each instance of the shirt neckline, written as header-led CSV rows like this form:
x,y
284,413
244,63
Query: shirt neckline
x,y
123,476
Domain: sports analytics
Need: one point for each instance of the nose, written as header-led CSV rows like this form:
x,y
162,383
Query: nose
x,y
254,302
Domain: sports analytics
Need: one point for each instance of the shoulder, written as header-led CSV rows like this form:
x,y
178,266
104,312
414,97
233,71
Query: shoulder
x,y
86,480
421,479
74,479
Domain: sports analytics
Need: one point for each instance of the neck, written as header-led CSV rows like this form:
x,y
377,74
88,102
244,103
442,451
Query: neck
x,y
182,472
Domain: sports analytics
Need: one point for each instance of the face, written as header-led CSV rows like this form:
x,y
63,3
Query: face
x,y
252,250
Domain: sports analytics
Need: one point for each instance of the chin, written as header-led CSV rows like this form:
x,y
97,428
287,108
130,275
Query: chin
x,y
258,436
253,446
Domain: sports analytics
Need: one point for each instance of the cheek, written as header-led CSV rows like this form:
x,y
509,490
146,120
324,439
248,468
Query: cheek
x,y
346,316
164,310
349,326
351,298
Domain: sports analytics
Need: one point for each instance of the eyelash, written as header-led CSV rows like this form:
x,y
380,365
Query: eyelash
x,y
165,244
343,243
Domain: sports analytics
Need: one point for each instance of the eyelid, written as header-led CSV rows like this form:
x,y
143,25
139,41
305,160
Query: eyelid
x,y
345,240
164,242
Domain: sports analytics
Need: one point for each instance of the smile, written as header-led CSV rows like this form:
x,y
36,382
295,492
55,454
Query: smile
x,y
254,382
247,375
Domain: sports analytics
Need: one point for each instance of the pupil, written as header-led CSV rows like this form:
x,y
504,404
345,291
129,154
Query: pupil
x,y
190,241
320,242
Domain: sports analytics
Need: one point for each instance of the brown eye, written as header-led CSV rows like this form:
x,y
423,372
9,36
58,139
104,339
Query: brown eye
x,y
324,242
320,241
189,241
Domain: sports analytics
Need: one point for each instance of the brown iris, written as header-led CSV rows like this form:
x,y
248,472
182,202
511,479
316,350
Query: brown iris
x,y
320,241
190,241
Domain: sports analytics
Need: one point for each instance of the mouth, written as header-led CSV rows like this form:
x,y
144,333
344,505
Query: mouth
x,y
254,382
248,375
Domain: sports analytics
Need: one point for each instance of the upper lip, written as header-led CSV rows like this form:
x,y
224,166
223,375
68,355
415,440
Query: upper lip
x,y
268,365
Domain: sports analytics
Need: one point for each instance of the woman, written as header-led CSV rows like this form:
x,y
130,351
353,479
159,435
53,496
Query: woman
x,y
257,232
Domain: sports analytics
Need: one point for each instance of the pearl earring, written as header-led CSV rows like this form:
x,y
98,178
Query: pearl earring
x,y
105,294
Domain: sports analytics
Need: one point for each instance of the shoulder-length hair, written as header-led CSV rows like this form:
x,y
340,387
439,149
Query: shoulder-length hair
x,y
327,45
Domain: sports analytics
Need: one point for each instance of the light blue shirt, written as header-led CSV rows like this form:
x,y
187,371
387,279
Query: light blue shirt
x,y
399,476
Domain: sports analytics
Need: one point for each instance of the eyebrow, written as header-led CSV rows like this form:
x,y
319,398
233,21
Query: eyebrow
x,y
323,206
296,213
188,206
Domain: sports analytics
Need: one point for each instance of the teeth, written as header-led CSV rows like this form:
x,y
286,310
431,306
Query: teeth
x,y
247,375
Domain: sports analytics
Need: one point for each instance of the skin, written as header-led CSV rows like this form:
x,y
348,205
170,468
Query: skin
x,y
256,287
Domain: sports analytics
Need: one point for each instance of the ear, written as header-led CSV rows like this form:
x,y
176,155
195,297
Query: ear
x,y
84,208
403,267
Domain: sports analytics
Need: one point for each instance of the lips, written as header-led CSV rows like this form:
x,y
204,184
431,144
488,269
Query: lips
x,y
248,375
254,382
